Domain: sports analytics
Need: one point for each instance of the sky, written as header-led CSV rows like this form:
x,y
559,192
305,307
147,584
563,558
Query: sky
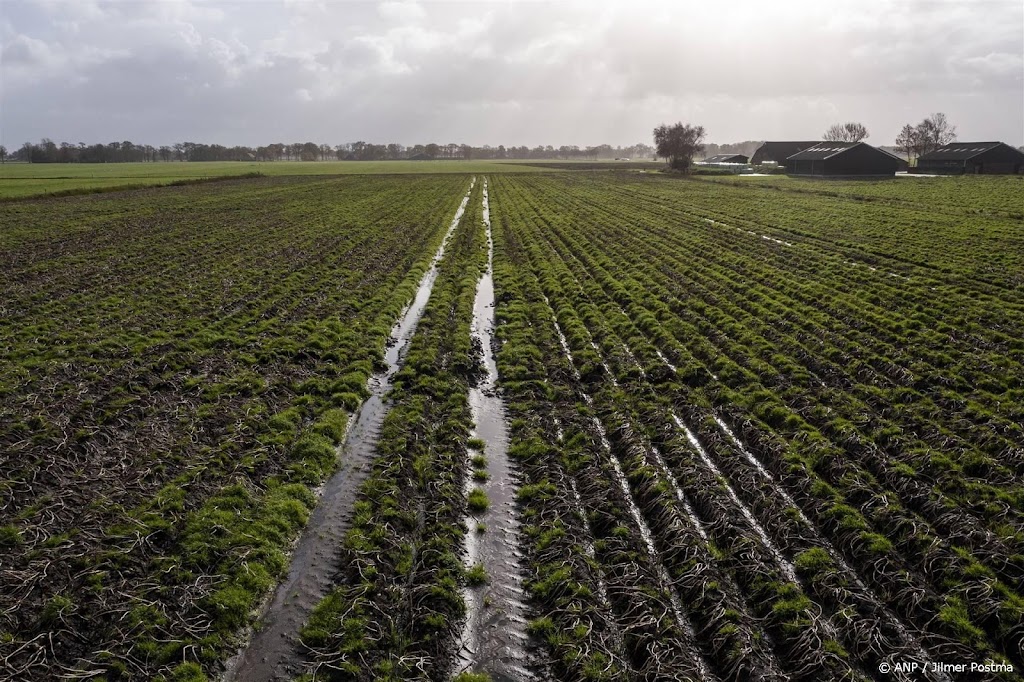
x,y
253,72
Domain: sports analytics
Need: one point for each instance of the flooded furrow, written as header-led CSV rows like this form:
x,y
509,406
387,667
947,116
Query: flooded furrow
x,y
787,568
696,657
274,652
909,638
588,548
494,638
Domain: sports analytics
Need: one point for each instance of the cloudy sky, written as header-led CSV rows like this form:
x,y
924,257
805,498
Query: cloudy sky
x,y
528,72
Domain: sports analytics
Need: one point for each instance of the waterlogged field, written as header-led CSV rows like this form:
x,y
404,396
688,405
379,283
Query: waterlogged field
x,y
763,435
178,365
564,425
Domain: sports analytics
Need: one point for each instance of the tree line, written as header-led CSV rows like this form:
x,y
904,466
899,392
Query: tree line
x,y
48,151
913,140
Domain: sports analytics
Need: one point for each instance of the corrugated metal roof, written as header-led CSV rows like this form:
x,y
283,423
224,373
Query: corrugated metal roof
x,y
958,151
780,151
726,158
901,160
822,150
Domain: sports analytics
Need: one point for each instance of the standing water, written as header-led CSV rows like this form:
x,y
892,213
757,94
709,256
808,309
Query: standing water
x,y
274,652
494,637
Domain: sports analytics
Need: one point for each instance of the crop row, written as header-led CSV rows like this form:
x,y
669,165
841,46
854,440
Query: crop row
x,y
968,196
917,238
635,290
603,609
727,606
397,604
980,466
169,419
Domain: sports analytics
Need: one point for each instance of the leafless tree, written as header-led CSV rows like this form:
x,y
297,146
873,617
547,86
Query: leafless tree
x,y
934,132
907,140
846,132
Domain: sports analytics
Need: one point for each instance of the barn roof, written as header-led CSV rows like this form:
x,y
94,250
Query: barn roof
x,y
726,158
780,151
822,150
958,151
895,156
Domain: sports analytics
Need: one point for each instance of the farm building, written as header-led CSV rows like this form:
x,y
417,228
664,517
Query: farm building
x,y
842,159
778,152
902,166
727,158
972,157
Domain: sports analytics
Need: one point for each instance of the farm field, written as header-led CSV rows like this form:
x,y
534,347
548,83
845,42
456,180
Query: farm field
x,y
19,180
624,425
995,194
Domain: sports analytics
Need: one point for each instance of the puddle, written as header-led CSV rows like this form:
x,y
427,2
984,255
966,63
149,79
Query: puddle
x,y
494,637
274,652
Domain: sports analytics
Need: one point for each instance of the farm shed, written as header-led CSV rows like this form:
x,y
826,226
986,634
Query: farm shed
x,y
778,152
842,159
726,158
903,166
972,157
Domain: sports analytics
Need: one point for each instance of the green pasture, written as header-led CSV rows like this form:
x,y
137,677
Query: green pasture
x,y
19,180
27,179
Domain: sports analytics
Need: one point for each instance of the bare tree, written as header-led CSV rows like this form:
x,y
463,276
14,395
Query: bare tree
x,y
934,132
907,140
679,143
846,132
3,154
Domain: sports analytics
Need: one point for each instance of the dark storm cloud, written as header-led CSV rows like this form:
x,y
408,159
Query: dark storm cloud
x,y
500,72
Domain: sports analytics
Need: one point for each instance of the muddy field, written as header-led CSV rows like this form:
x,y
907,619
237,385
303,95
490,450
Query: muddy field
x,y
565,425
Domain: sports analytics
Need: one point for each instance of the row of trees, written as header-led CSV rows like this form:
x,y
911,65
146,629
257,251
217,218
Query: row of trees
x,y
914,140
48,151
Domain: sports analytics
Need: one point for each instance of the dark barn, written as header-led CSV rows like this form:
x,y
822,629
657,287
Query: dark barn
x,y
842,159
902,166
779,151
726,158
972,157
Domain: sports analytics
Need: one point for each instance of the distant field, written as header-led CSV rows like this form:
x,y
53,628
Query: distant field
x,y
27,179
1001,194
586,164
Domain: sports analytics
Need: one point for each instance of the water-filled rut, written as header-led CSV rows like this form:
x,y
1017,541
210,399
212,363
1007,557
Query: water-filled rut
x,y
274,652
494,637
